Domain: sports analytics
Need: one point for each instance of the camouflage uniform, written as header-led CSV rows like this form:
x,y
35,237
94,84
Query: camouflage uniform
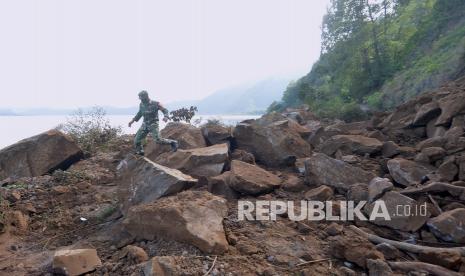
x,y
149,110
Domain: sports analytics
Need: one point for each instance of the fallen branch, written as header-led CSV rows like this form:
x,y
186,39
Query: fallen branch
x,y
407,246
313,261
211,268
422,267
456,191
436,205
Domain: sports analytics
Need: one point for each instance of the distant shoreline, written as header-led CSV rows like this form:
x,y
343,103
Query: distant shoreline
x,y
128,114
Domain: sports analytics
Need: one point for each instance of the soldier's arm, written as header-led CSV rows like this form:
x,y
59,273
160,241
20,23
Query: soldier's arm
x,y
163,110
138,116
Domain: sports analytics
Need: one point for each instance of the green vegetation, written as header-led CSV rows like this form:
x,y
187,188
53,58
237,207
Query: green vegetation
x,y
107,212
377,54
90,129
183,114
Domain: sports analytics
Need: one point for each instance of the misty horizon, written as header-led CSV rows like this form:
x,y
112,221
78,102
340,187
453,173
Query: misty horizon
x,y
63,55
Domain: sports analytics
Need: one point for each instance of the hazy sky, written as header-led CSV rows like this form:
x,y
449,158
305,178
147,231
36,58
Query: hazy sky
x,y
73,53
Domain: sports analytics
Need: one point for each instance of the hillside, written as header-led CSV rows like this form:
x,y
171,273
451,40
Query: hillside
x,y
106,211
378,55
243,99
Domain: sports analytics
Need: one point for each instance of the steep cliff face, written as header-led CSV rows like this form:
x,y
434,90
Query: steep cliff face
x,y
376,56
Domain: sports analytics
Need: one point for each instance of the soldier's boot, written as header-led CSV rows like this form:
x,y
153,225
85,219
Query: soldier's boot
x,y
174,146
139,150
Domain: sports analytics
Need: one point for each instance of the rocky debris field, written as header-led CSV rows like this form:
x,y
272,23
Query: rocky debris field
x,y
114,213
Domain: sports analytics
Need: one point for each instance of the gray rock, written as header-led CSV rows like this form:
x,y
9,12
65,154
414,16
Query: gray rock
x,y
390,149
358,192
431,142
407,217
434,153
219,185
188,136
216,134
198,162
389,251
434,131
39,155
193,217
378,268
321,169
406,172
377,187
426,113
141,181
274,144
243,156
448,170
449,226
349,144
451,106
252,180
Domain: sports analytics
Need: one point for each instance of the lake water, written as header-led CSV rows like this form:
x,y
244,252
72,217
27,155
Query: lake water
x,y
15,128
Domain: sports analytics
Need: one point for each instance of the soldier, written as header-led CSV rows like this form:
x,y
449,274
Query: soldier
x,y
149,110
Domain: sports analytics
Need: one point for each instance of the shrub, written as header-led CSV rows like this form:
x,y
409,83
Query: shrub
x,y
375,101
90,129
213,122
352,112
183,114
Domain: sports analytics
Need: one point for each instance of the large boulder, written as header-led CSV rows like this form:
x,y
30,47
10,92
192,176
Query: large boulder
x,y
406,172
193,217
141,181
426,113
377,187
405,213
349,144
249,179
449,226
406,114
216,134
187,135
322,134
198,162
321,169
39,155
273,144
451,106
219,185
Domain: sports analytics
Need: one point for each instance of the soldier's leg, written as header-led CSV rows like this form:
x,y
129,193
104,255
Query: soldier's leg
x,y
160,140
140,136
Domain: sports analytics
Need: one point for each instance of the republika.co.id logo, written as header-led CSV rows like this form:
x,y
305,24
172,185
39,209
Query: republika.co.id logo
x,y
265,210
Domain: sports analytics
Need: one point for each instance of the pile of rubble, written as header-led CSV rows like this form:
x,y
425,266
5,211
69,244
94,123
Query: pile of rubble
x,y
176,213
